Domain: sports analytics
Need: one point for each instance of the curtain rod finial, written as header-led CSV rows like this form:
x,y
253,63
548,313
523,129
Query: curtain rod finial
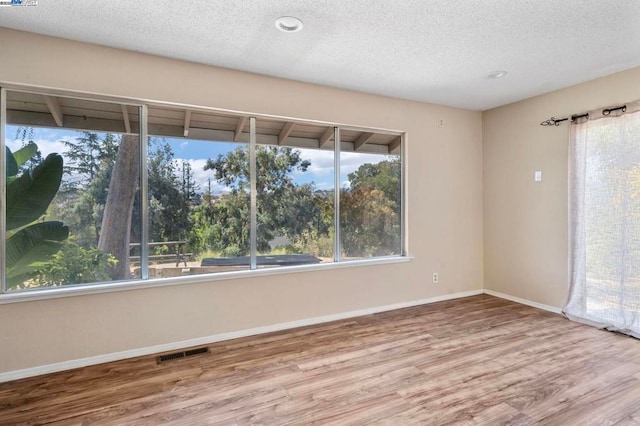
x,y
553,121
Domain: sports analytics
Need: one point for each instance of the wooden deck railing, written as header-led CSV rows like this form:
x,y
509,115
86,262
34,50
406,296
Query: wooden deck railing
x,y
179,255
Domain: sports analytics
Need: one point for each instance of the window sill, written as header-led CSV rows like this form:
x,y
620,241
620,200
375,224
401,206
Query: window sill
x,y
81,290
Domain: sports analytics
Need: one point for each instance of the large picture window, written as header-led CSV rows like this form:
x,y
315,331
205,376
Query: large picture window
x,y
102,192
72,182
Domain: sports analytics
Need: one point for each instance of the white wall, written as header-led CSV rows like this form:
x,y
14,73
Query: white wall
x,y
525,223
444,216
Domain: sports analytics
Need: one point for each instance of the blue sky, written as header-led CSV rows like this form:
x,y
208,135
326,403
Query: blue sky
x,y
196,152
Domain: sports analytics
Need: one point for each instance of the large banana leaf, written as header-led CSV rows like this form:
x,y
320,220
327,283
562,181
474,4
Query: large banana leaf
x,y
28,196
12,165
25,153
31,247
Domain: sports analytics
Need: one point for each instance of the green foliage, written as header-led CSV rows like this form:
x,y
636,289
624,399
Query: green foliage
x,y
283,207
80,203
169,197
30,249
88,155
29,195
188,187
274,168
28,245
16,160
313,242
370,207
384,176
370,210
369,226
11,164
222,225
26,153
74,264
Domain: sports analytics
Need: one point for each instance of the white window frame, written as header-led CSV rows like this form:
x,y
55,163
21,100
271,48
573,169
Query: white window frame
x,y
144,281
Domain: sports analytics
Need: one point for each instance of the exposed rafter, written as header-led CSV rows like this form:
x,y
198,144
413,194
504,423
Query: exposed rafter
x,y
326,137
187,123
362,140
92,124
55,110
125,118
395,144
285,132
242,122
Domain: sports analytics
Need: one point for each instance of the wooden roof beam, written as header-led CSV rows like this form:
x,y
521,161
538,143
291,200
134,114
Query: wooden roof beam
x,y
395,144
125,118
326,137
285,132
239,127
55,110
362,140
187,123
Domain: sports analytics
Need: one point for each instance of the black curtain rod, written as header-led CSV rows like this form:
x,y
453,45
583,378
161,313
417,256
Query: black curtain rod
x,y
556,121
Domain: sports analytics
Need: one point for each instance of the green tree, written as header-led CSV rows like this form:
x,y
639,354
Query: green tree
x,y
370,210
282,207
222,225
81,201
88,154
189,187
169,195
384,176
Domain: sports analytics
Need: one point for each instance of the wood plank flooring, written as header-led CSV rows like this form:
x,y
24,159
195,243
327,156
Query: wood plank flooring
x,y
474,361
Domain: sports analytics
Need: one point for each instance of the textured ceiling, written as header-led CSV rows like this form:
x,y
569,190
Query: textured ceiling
x,y
438,51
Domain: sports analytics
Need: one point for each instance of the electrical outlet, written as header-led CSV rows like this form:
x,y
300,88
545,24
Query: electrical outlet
x,y
435,278
441,123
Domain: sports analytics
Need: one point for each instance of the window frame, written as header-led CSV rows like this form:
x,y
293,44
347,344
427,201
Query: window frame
x,y
143,131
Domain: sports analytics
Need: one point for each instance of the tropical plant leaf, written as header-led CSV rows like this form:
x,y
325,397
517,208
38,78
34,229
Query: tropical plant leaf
x,y
33,246
12,165
25,153
28,196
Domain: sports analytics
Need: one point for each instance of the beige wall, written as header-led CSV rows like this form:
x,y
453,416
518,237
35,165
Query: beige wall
x,y
445,209
525,223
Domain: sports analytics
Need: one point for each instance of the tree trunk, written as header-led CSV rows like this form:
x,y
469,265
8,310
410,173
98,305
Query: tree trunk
x,y
116,221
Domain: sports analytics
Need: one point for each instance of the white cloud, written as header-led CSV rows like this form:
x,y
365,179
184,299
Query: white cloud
x,y
321,162
322,165
351,161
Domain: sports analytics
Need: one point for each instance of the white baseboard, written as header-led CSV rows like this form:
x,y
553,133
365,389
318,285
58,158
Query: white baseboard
x,y
523,301
150,350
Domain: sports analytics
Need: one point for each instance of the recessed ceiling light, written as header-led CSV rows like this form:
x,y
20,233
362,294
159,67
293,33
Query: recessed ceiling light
x,y
289,24
496,74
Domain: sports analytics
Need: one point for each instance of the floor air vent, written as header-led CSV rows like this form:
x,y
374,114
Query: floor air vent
x,y
183,354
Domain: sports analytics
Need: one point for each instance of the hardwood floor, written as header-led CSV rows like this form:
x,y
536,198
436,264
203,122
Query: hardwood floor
x,y
473,361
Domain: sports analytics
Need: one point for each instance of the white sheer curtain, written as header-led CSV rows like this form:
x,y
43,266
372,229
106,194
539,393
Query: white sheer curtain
x,y
604,209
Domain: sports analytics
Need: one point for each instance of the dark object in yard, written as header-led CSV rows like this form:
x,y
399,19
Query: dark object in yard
x,y
275,260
